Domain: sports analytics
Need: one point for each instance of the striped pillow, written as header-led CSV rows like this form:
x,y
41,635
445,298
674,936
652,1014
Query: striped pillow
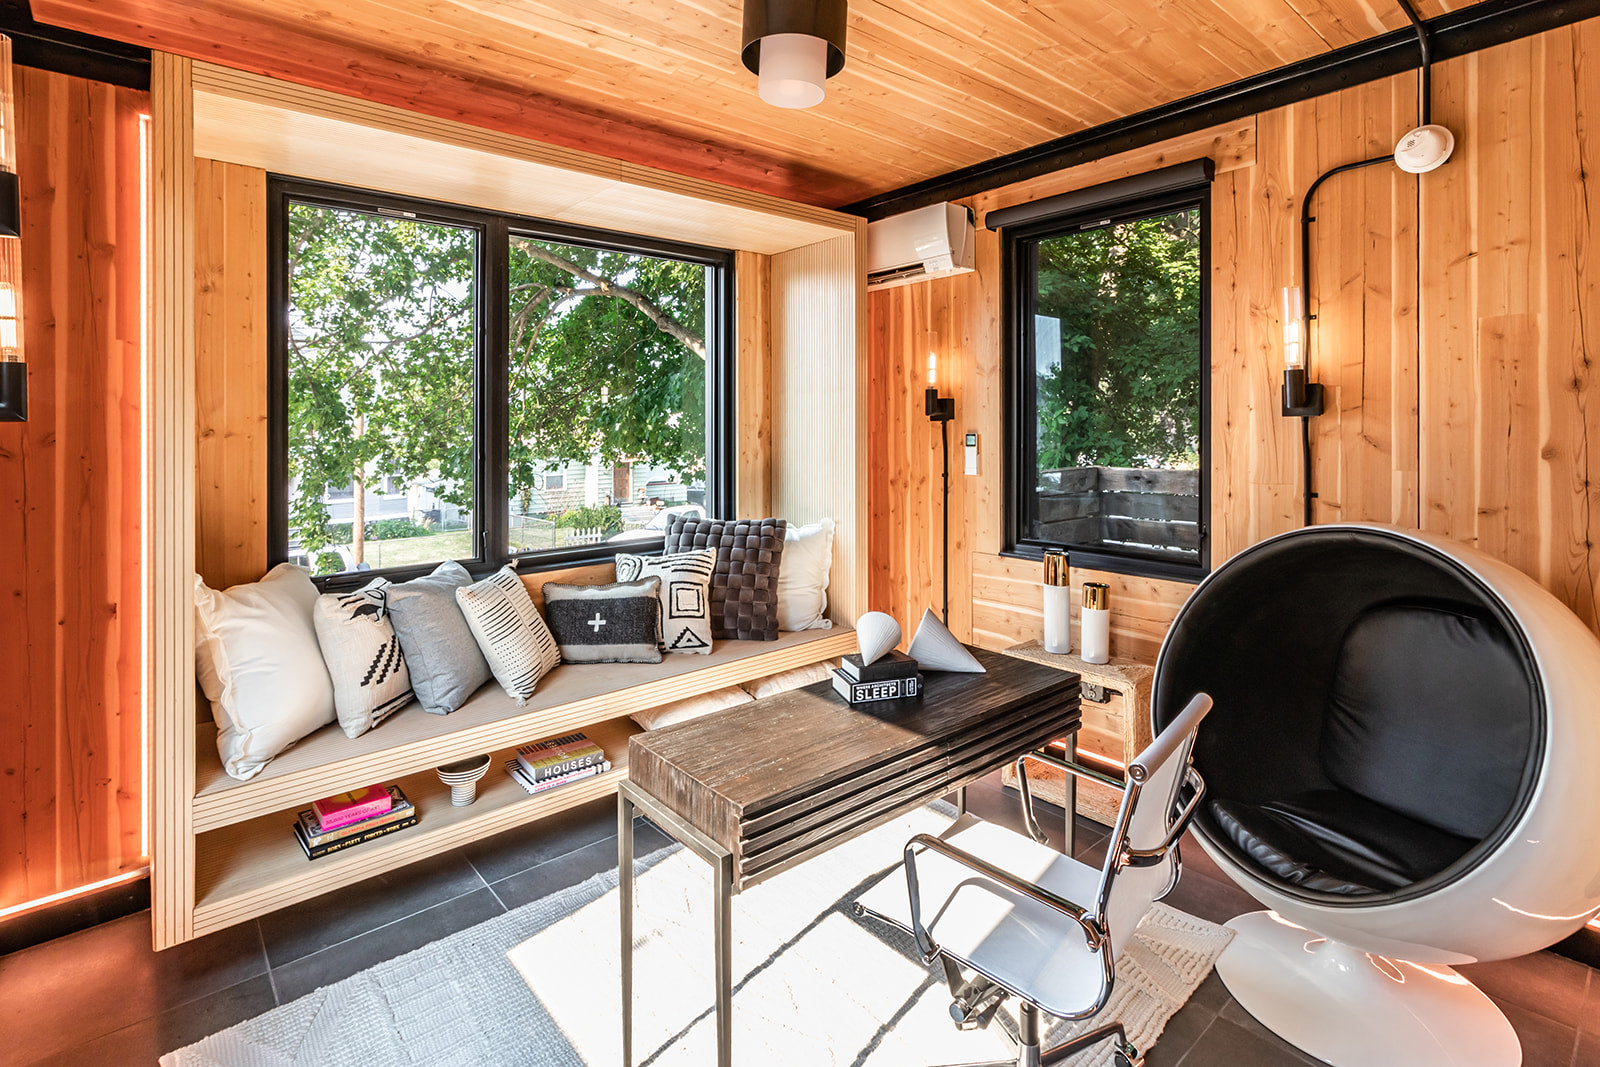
x,y
510,631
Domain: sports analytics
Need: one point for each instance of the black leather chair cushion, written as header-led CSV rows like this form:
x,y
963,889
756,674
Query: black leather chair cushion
x,y
1431,715
1333,841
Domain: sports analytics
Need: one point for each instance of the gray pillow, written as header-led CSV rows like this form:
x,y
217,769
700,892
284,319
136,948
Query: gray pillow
x,y
605,623
744,584
446,665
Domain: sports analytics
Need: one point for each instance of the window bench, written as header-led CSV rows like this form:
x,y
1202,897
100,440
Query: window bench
x,y
245,861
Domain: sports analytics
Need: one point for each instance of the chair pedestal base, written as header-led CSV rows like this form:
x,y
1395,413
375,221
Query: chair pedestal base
x,y
1351,1009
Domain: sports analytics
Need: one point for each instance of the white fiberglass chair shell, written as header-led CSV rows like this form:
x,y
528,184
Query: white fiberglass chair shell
x,y
1037,925
1402,769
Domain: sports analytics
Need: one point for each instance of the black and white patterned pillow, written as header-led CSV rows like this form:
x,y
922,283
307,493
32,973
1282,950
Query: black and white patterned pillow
x,y
509,631
358,642
744,584
685,595
605,623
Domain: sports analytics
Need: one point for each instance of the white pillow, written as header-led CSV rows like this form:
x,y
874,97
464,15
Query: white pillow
x,y
783,681
258,660
803,578
370,678
692,707
510,632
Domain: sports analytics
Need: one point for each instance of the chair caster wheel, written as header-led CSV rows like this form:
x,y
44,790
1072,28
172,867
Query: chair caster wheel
x,y
1127,1056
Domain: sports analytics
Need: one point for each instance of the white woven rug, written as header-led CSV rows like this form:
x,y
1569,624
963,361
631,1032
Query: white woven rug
x,y
814,984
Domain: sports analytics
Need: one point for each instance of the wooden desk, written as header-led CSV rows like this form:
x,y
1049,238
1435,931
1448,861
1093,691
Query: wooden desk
x,y
758,788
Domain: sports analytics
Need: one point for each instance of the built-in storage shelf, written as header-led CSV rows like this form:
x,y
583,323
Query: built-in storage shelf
x,y
246,861
256,866
568,698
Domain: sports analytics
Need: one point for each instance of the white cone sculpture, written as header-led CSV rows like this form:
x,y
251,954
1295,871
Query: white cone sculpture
x,y
876,634
935,648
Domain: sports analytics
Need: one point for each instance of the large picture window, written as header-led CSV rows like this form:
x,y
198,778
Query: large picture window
x,y
1109,353
450,384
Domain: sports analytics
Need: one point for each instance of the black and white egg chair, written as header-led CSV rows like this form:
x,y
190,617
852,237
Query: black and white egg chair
x,y
1404,767
1010,917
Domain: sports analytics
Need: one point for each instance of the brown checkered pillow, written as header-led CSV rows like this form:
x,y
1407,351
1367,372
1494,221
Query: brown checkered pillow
x,y
744,585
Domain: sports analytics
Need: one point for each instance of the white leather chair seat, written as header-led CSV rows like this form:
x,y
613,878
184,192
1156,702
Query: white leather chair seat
x,y
1011,938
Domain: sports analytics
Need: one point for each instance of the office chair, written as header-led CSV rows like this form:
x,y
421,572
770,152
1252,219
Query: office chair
x,y
1031,923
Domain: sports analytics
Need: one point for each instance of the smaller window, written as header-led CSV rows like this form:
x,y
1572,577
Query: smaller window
x,y
1109,350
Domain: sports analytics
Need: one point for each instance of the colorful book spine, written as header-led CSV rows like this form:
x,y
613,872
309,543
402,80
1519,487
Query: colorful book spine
x,y
559,755
317,836
315,851
532,786
346,808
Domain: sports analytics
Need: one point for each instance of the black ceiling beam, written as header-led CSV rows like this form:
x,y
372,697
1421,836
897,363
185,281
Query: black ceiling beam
x,y
34,44
1456,33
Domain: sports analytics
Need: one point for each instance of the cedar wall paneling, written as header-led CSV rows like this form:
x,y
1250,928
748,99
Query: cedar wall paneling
x,y
1451,337
70,763
230,338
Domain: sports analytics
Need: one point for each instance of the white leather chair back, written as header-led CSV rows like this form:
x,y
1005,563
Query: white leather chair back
x,y
1145,821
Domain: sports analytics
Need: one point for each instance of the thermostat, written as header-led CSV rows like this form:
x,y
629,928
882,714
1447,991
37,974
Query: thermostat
x,y
972,453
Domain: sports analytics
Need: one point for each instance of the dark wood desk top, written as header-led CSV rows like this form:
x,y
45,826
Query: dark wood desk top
x,y
780,779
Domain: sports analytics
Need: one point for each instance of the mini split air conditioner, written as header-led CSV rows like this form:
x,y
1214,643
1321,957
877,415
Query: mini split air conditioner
x,y
930,242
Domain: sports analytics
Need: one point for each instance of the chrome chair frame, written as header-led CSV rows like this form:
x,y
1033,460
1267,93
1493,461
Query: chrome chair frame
x,y
977,999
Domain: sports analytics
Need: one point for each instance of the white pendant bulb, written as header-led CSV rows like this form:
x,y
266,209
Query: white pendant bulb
x,y
793,69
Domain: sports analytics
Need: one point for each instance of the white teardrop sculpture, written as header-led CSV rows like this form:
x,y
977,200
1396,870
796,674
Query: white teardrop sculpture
x,y
876,634
935,648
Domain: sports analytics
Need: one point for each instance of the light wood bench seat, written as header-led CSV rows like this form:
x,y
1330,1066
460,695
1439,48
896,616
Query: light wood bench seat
x,y
246,862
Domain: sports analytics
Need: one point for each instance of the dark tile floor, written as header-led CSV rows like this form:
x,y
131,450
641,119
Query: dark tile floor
x,y
102,997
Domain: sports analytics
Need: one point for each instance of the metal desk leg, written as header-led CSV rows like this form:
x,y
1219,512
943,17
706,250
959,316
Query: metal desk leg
x,y
723,920
1070,788
961,801
625,906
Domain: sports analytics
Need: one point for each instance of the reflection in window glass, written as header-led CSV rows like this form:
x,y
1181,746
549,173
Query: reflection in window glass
x,y
607,394
1116,361
383,341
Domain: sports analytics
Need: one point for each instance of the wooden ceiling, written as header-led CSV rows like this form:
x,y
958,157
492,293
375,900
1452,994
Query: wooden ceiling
x,y
929,86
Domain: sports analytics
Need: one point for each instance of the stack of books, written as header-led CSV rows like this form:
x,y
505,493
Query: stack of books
x,y
557,761
893,677
351,819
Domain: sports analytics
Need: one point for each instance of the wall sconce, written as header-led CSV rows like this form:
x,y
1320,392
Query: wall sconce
x,y
1300,397
793,46
939,408
13,371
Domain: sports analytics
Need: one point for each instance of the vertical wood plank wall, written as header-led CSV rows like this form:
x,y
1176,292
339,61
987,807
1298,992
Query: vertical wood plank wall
x,y
819,432
70,717
753,394
1451,336
170,503
230,372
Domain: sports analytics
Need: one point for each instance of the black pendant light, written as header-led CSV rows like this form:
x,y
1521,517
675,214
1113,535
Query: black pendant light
x,y
794,46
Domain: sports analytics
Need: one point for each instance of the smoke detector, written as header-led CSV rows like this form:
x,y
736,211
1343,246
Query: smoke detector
x,y
1423,149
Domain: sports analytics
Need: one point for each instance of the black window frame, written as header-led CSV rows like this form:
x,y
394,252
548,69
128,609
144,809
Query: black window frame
x,y
491,422
1019,285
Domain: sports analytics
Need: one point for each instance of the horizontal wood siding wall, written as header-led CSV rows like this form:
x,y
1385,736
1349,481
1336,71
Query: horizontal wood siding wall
x,y
1450,335
71,786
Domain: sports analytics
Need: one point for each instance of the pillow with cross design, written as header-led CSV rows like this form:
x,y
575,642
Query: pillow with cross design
x,y
618,623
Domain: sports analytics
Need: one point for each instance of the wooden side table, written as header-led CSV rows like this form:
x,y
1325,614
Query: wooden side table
x,y
1115,727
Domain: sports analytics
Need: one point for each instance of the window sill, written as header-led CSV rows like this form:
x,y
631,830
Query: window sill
x,y
1132,566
